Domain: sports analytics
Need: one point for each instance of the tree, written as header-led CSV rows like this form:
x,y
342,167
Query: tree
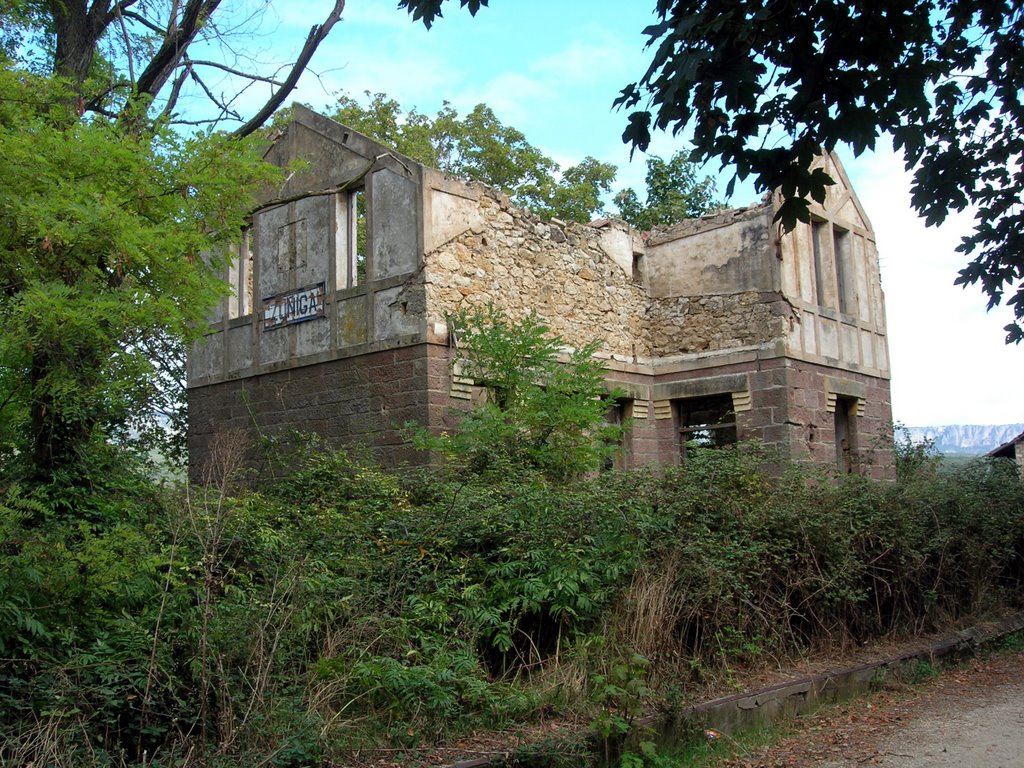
x,y
121,56
105,212
674,193
766,86
479,147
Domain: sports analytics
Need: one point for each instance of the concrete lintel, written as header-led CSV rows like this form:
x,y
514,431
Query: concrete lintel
x,y
838,386
711,385
632,389
699,361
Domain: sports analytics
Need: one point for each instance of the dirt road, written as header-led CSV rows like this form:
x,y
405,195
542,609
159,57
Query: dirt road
x,y
971,716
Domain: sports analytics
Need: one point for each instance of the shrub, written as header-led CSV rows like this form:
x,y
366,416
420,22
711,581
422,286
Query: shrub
x,y
540,413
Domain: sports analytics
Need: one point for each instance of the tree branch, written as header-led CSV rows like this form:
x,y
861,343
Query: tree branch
x,y
316,36
174,46
143,21
172,98
224,108
127,44
230,70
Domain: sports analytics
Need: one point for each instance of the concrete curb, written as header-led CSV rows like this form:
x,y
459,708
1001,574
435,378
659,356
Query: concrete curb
x,y
758,708
752,709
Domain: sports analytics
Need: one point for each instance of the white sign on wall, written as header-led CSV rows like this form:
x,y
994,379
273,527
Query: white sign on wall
x,y
296,306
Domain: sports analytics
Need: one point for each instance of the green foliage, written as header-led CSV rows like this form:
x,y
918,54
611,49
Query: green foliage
x,y
913,460
756,564
335,608
674,193
765,90
101,236
108,219
479,147
620,694
379,610
540,413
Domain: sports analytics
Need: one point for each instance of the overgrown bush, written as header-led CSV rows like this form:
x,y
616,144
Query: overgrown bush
x,y
751,564
540,412
333,607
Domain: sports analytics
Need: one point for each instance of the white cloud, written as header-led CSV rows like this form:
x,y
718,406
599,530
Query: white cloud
x,y
949,362
514,97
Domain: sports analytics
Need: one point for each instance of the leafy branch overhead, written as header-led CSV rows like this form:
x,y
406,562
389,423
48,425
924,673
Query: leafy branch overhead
x,y
105,211
765,87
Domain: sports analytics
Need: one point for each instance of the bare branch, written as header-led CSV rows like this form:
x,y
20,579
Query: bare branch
x,y
96,102
316,36
127,45
174,46
120,7
230,70
172,98
224,108
143,21
172,17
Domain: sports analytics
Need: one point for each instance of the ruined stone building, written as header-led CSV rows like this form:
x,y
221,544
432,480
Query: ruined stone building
x,y
1013,450
719,329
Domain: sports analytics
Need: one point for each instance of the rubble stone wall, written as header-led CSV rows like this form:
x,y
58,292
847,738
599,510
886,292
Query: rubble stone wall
x,y
560,271
687,324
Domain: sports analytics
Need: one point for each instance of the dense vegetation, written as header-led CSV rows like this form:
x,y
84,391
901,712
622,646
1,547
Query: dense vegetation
x,y
319,606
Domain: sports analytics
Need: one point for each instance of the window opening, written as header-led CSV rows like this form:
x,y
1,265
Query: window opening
x,y
240,276
705,422
357,237
618,415
844,271
638,267
246,260
846,433
818,246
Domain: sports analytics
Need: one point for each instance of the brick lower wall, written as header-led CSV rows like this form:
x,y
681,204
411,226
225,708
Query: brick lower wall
x,y
364,400
790,408
789,411
361,400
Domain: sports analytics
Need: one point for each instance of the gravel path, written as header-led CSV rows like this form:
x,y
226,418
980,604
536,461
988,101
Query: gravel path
x,y
969,716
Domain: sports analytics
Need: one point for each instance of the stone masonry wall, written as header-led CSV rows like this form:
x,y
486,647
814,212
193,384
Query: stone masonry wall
x,y
562,272
684,324
790,407
518,262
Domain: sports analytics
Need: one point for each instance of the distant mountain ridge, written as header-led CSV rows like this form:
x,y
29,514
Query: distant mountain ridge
x,y
967,439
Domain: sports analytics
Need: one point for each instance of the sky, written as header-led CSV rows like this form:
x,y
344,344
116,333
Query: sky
x,y
552,69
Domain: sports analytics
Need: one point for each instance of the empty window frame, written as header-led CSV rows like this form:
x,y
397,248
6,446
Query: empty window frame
x,y
820,241
705,422
846,433
357,237
618,415
845,275
240,275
